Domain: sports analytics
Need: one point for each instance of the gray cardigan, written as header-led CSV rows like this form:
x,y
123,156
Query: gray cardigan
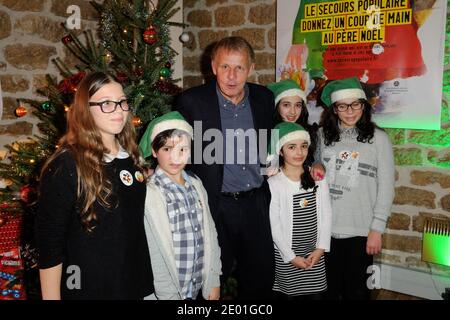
x,y
159,238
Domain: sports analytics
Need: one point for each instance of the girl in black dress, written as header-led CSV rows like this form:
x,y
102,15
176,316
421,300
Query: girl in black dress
x,y
90,229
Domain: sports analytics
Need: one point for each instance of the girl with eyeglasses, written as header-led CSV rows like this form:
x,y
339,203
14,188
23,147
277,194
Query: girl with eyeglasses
x,y
360,172
90,229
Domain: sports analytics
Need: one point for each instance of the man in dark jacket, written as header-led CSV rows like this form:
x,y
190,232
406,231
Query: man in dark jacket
x,y
239,116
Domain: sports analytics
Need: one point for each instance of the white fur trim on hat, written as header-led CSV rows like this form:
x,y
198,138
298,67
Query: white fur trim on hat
x,y
172,124
347,93
291,93
296,135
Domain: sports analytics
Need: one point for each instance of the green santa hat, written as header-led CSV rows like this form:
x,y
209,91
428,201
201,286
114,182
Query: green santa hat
x,y
286,88
168,121
287,131
341,89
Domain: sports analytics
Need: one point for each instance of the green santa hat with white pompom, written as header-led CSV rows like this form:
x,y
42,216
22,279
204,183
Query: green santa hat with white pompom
x,y
286,88
342,89
287,131
168,121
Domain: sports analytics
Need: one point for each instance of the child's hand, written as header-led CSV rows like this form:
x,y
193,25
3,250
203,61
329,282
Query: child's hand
x,y
300,262
373,245
214,294
271,171
317,172
314,257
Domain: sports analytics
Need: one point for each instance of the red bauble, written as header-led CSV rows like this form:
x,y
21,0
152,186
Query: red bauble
x,y
67,39
168,65
20,111
121,76
139,71
69,85
167,87
25,192
150,35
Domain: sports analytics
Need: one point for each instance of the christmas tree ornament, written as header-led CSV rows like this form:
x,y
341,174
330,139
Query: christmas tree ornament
x,y
45,106
25,193
2,221
4,205
164,72
121,76
150,35
67,39
107,57
185,37
66,108
137,121
168,65
20,111
5,183
139,71
69,85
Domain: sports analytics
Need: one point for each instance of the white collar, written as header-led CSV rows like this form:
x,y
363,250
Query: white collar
x,y
122,154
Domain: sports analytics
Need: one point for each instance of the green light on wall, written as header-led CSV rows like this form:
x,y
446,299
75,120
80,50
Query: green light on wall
x,y
436,241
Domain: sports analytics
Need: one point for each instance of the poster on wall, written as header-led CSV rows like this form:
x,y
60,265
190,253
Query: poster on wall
x,y
394,47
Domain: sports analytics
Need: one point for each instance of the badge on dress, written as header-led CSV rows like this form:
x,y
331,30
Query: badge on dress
x,y
303,203
139,176
344,155
126,177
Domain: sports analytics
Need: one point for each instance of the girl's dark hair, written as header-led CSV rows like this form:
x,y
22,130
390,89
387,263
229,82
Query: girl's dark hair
x,y
303,121
306,180
365,127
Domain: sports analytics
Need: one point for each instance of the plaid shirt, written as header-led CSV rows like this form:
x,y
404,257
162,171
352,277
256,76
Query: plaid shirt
x,y
184,210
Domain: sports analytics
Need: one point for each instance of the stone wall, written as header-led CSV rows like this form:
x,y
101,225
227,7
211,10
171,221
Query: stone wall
x,y
211,20
30,37
422,157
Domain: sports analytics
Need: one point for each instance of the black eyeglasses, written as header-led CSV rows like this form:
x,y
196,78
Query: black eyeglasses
x,y
111,106
355,105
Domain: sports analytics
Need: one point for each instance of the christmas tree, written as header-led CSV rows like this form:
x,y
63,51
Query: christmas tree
x,y
133,45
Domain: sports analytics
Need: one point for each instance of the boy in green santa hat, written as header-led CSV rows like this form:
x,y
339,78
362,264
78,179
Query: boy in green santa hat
x,y
181,234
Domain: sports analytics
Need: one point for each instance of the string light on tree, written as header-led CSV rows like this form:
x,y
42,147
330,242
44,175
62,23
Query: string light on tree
x,y
137,121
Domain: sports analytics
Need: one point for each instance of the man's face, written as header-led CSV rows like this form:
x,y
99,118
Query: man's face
x,y
232,68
